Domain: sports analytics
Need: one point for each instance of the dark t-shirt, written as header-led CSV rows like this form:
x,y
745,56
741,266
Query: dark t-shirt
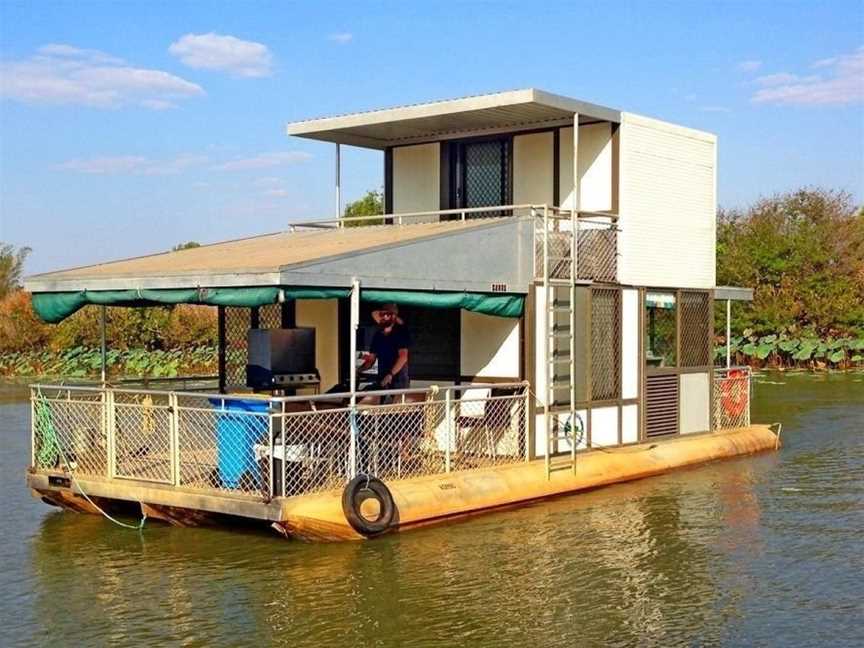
x,y
386,349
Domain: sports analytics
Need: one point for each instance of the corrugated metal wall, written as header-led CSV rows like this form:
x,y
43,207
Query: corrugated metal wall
x,y
667,205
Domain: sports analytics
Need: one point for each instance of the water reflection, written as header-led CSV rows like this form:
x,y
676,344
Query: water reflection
x,y
625,565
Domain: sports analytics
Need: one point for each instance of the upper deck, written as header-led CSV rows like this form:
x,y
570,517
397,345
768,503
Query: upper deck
x,y
533,147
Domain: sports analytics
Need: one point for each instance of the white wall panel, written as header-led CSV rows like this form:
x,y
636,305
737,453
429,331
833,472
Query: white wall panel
x,y
667,204
630,343
533,169
489,346
694,406
604,426
416,174
323,316
595,167
630,424
540,368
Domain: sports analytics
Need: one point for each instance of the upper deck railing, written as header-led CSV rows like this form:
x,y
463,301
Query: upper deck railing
x,y
597,243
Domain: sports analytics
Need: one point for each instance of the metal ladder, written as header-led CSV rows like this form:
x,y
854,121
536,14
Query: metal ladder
x,y
555,334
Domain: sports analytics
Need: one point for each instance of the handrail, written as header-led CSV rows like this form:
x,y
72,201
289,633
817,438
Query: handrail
x,y
459,211
287,399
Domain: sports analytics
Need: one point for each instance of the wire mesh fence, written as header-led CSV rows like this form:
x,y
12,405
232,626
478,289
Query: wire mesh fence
x,y
142,436
69,432
238,321
732,398
696,316
272,447
223,444
596,247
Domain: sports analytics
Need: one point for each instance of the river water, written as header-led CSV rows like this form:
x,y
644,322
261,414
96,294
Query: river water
x,y
758,551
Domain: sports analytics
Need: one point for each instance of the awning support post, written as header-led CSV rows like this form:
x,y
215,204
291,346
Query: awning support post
x,y
728,333
338,182
103,359
352,368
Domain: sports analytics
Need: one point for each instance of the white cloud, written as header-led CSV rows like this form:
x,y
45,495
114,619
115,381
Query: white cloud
x,y
341,37
277,193
749,66
224,53
133,165
780,78
263,161
842,83
715,109
63,74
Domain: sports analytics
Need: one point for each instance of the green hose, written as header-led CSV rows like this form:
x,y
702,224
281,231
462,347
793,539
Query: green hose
x,y
49,450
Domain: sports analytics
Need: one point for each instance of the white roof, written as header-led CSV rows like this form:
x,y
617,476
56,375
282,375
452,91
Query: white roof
x,y
511,111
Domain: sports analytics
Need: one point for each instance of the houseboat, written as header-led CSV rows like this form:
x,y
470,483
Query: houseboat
x,y
554,263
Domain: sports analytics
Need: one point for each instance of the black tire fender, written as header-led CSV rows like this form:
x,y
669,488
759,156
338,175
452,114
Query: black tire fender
x,y
357,491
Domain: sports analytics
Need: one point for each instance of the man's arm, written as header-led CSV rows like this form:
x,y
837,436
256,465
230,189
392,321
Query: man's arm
x,y
401,361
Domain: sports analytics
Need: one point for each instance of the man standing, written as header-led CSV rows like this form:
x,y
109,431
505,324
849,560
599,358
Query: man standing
x,y
390,346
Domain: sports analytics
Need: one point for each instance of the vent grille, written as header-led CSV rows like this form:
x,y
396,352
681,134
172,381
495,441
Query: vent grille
x,y
499,287
661,405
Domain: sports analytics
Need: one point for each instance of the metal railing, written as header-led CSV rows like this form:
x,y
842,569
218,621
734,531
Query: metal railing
x,y
597,239
732,397
433,216
275,446
596,244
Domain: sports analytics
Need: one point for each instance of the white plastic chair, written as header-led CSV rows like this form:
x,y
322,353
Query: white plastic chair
x,y
472,413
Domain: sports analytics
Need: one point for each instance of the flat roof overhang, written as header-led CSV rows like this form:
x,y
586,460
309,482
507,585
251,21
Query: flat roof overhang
x,y
733,293
480,252
512,111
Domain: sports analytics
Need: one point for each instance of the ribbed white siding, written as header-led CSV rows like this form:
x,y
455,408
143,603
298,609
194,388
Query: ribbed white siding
x,y
667,204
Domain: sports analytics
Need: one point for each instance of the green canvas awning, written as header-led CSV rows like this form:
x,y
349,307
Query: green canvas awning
x,y
53,307
506,305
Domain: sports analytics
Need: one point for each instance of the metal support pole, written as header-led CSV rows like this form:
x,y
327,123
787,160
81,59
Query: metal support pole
x,y
110,432
352,368
174,437
528,423
728,333
103,360
448,415
338,182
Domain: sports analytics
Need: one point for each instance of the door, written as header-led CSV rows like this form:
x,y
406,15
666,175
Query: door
x,y
481,173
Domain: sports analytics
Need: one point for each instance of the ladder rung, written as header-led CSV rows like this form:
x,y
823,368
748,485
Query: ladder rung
x,y
556,361
561,466
560,309
561,385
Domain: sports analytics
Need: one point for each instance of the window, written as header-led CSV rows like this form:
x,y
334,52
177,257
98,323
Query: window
x,y
660,329
605,344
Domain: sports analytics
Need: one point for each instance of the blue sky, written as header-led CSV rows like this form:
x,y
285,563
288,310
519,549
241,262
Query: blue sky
x,y
128,127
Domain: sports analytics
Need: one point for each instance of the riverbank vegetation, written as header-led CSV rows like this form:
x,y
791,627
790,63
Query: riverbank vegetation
x,y
802,252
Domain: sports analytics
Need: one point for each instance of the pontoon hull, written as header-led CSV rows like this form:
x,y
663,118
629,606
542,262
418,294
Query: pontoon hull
x,y
431,499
